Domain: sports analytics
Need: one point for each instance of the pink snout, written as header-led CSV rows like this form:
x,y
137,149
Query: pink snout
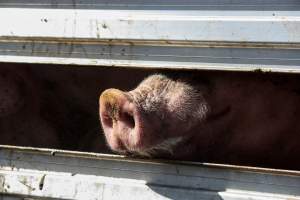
x,y
120,120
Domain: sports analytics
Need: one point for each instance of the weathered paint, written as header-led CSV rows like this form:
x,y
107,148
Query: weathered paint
x,y
199,25
222,35
31,172
151,54
216,35
157,4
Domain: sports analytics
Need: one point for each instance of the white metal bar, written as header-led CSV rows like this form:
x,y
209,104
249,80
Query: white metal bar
x,y
66,175
151,54
224,35
224,26
157,4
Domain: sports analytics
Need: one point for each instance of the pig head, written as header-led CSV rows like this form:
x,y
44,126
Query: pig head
x,y
233,118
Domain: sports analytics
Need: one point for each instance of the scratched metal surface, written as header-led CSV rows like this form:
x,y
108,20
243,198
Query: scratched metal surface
x,y
157,4
43,173
222,35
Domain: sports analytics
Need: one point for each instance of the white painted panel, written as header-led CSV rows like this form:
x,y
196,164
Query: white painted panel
x,y
225,26
223,35
40,173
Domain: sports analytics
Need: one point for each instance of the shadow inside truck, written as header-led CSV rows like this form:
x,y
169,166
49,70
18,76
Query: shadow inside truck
x,y
56,107
250,118
51,106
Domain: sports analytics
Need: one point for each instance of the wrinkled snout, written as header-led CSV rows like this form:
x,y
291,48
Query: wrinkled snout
x,y
120,120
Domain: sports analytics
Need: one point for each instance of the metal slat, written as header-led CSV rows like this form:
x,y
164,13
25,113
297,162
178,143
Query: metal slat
x,y
183,56
168,25
238,36
157,4
41,173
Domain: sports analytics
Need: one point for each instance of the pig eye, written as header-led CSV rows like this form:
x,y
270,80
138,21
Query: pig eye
x,y
128,118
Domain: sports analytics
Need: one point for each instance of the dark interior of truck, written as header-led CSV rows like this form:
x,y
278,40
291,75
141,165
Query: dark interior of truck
x,y
56,106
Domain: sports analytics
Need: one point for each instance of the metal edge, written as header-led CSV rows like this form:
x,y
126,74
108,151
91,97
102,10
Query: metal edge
x,y
146,65
175,43
99,156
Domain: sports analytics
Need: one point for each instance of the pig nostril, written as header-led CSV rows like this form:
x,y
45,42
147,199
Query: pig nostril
x,y
108,121
128,118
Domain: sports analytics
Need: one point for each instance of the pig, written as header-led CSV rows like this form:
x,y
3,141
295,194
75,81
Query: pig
x,y
231,118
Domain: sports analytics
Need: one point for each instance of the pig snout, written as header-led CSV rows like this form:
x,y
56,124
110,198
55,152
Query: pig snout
x,y
152,119
120,120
